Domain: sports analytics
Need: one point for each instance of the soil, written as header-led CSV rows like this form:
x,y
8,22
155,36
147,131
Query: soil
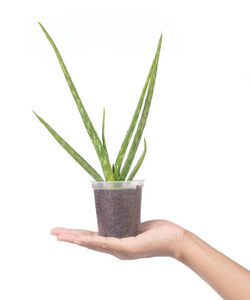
x,y
118,212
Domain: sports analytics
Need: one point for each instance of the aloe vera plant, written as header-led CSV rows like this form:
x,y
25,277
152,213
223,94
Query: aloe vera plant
x,y
115,172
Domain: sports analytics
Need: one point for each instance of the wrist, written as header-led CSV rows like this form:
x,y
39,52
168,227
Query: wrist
x,y
182,247
178,244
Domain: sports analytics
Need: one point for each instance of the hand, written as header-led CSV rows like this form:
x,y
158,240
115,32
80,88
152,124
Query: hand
x,y
157,238
162,238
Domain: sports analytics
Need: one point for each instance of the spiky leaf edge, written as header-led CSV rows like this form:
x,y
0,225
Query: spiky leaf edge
x,y
144,115
138,165
132,126
101,152
86,166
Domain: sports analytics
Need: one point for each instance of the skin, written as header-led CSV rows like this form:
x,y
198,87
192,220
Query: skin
x,y
163,238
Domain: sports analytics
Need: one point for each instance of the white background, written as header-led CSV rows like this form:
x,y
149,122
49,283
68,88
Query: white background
x,y
198,135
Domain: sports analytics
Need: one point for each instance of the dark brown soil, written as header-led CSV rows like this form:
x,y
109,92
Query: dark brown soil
x,y
118,212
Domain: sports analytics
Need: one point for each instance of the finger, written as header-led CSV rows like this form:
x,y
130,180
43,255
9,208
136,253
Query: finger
x,y
106,244
73,235
66,237
119,252
120,248
83,231
60,230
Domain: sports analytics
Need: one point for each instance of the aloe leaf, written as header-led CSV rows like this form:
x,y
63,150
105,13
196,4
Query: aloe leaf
x,y
137,166
130,131
87,167
103,129
101,152
143,119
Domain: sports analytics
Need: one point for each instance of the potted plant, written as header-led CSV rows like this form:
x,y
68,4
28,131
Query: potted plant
x,y
117,195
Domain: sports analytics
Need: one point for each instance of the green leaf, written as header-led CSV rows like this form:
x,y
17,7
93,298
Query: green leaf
x,y
87,167
136,168
101,152
103,129
143,119
130,131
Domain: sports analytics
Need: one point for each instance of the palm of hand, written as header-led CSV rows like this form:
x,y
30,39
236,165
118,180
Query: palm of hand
x,y
157,238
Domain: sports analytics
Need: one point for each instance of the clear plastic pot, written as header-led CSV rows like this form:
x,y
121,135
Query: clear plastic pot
x,y
118,207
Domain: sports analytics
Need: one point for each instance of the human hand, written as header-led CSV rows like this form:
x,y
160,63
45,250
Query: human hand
x,y
163,238
156,238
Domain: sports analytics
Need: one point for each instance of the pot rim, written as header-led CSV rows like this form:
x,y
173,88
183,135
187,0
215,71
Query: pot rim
x,y
117,185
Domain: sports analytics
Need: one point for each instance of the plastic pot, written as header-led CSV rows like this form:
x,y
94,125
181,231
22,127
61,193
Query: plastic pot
x,y
118,207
